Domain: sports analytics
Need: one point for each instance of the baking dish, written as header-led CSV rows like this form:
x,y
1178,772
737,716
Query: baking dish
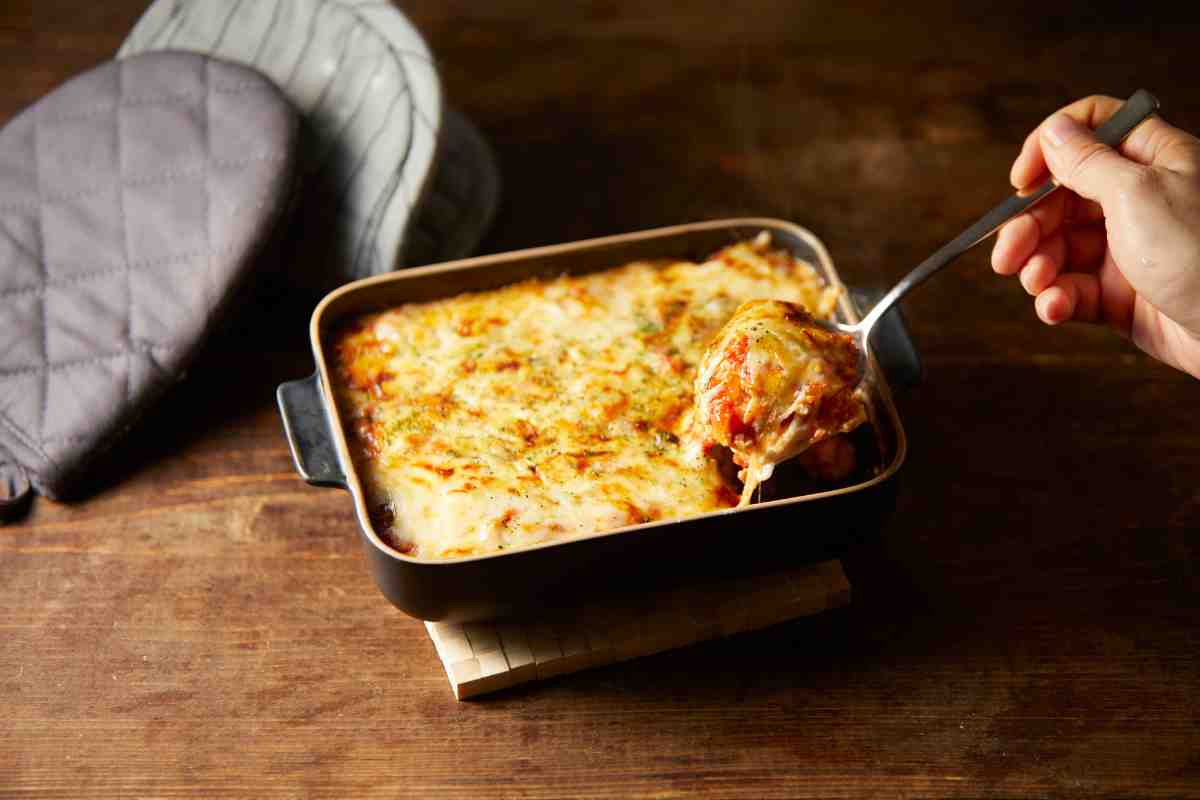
x,y
768,535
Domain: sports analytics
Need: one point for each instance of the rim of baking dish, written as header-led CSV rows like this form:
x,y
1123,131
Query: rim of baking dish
x,y
846,306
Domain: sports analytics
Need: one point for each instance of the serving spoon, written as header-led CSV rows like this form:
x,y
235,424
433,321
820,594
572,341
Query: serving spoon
x,y
1140,106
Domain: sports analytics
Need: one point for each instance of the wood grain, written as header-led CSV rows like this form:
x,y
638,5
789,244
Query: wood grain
x,y
203,623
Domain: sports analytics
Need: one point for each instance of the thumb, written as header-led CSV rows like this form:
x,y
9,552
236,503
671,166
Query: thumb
x,y
1082,163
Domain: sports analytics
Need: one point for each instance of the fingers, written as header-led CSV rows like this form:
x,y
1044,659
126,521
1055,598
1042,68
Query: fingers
x,y
1022,242
1054,306
1017,240
1015,243
1030,166
1083,164
1029,169
1078,249
1043,266
1072,296
1158,143
1154,142
1102,295
1062,271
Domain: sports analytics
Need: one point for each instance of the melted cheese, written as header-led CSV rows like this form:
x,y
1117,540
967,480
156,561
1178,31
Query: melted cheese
x,y
772,384
547,409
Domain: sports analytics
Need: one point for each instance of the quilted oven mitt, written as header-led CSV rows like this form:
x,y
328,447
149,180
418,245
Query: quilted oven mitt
x,y
390,176
134,200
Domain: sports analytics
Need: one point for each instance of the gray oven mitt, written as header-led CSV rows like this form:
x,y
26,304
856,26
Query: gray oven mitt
x,y
389,176
133,202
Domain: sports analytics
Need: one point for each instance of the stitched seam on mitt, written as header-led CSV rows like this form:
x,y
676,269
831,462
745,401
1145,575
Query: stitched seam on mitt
x,y
99,273
60,366
25,439
141,180
157,100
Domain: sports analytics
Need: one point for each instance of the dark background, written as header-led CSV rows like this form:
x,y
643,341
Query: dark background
x,y
1027,624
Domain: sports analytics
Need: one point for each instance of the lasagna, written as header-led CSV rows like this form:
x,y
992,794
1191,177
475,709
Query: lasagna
x,y
773,383
551,408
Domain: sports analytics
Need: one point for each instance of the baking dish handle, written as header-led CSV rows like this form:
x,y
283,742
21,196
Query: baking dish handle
x,y
893,345
309,432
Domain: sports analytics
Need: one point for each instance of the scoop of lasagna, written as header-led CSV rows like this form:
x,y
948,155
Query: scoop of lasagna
x,y
772,384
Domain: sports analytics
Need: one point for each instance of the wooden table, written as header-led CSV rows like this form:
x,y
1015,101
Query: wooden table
x,y
1027,625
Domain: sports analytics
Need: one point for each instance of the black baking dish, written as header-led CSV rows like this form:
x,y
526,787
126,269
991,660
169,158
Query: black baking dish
x,y
768,535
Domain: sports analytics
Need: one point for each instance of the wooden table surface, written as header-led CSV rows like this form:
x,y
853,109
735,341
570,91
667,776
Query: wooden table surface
x,y
1027,625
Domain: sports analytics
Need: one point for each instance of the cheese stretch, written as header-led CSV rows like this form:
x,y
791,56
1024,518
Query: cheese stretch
x,y
547,409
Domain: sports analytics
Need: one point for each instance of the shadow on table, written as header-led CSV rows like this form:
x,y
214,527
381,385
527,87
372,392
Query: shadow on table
x,y
890,620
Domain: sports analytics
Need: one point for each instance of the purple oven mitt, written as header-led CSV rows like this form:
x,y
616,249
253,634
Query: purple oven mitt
x,y
134,199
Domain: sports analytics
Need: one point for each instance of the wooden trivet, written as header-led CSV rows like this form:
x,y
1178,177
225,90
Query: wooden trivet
x,y
482,657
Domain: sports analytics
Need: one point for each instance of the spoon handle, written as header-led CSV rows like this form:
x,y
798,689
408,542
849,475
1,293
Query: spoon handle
x,y
1131,114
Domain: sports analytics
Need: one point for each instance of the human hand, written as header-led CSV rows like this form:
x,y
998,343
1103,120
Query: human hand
x,y
1120,242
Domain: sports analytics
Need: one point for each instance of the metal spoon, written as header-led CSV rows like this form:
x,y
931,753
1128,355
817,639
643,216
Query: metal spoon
x,y
1132,113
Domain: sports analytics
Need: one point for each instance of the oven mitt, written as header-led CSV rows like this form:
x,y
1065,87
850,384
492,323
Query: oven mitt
x,y
388,176
134,200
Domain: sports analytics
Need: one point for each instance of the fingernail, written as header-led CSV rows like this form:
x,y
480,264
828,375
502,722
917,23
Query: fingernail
x,y
1061,128
1046,309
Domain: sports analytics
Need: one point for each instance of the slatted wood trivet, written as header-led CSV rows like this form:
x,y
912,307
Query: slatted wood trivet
x,y
482,657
